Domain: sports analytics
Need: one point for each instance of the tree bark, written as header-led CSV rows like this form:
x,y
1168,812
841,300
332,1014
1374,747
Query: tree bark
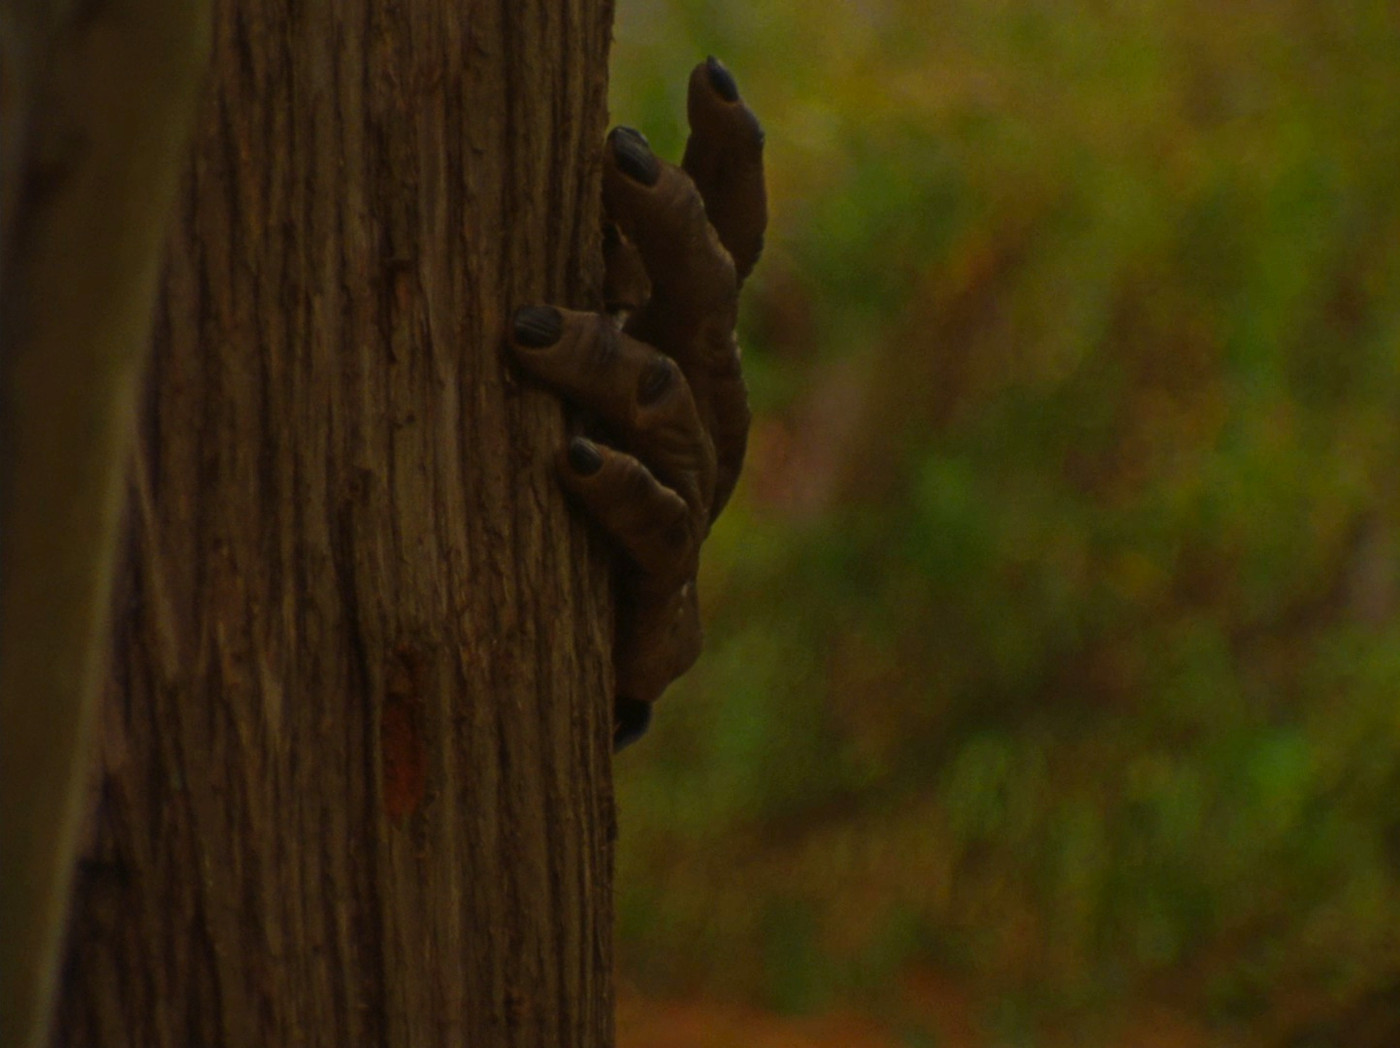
x,y
354,782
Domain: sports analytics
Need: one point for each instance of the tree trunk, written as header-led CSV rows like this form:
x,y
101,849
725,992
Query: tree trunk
x,y
354,783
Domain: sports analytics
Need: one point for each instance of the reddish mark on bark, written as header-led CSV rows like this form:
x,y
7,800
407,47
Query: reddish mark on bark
x,y
401,745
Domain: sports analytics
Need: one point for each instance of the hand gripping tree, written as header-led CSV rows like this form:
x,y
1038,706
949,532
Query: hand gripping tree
x,y
351,776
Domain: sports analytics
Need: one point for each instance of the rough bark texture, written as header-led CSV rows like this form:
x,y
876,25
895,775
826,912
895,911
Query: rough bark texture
x,y
355,765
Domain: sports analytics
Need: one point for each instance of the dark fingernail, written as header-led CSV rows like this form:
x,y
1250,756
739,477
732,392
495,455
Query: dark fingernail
x,y
655,380
584,457
630,720
722,80
634,156
538,326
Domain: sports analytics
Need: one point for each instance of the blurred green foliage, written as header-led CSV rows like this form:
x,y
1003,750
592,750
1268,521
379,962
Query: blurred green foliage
x,y
1054,634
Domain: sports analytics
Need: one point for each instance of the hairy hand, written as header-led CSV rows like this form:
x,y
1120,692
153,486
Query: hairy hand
x,y
660,372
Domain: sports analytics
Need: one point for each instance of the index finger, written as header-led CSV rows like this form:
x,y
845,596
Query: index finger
x,y
724,158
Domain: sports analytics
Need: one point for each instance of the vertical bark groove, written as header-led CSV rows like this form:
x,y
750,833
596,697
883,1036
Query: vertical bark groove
x,y
355,780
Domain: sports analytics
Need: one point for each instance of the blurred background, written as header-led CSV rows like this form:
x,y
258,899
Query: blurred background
x,y
1051,693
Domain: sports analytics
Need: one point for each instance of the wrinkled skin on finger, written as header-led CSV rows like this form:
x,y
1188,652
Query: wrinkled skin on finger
x,y
660,372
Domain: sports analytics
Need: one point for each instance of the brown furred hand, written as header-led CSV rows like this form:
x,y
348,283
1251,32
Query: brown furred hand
x,y
667,388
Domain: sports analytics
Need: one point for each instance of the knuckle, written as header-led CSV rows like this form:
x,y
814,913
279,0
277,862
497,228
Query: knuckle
x,y
682,546
637,485
658,377
752,129
602,348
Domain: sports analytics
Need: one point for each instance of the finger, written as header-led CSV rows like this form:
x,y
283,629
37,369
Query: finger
x,y
657,641
691,313
637,392
646,520
724,158
729,430
625,284
694,295
631,717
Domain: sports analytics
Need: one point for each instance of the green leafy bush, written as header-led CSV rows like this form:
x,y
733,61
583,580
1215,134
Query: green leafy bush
x,y
1053,637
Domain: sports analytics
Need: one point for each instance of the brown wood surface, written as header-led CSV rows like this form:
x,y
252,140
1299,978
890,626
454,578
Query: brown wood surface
x,y
354,774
